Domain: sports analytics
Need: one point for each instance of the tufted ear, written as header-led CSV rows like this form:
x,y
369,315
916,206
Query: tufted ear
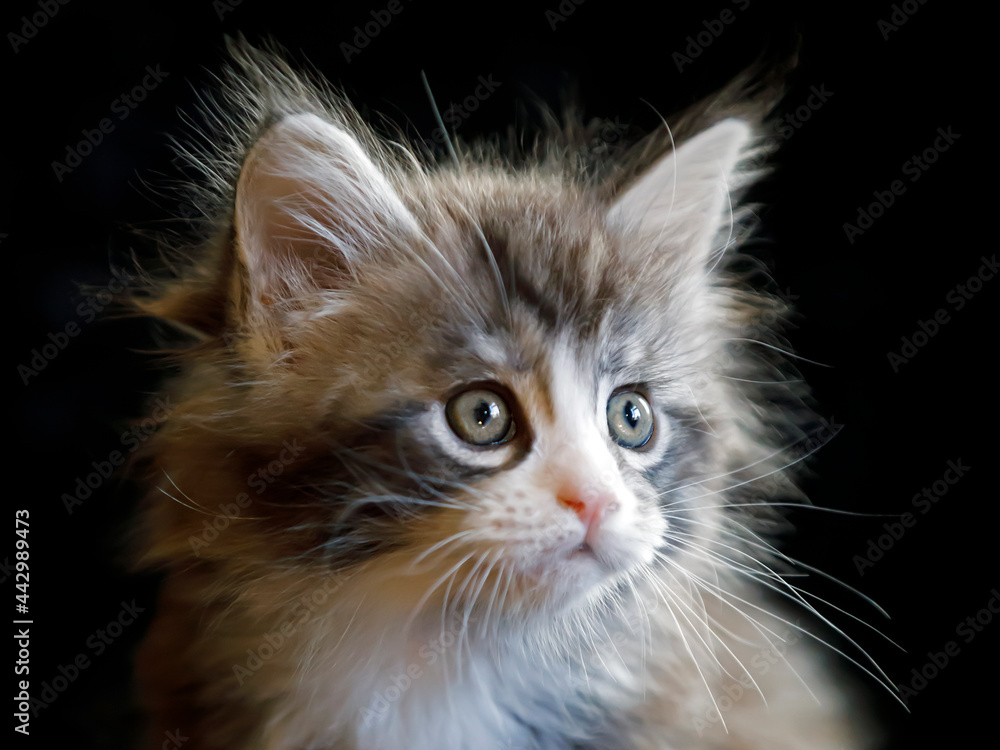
x,y
683,199
310,206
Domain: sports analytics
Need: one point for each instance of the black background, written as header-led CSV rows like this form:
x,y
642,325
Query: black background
x,y
856,300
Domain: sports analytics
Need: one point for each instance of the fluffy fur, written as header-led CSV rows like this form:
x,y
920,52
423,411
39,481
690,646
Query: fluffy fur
x,y
344,572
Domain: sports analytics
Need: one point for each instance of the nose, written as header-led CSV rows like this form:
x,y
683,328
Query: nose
x,y
591,506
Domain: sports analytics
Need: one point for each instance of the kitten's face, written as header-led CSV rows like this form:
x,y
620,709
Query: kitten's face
x,y
528,433
572,506
503,382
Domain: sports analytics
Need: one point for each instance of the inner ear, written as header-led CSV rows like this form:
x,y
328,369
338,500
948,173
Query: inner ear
x,y
683,200
311,206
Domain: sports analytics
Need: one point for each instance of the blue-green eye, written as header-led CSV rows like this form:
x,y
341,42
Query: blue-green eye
x,y
630,419
480,417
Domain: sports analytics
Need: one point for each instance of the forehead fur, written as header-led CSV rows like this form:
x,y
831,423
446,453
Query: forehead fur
x,y
502,267
502,254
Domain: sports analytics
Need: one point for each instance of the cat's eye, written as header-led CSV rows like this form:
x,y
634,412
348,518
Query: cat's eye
x,y
630,419
480,417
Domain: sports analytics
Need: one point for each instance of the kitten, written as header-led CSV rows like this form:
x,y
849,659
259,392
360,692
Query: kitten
x,y
462,456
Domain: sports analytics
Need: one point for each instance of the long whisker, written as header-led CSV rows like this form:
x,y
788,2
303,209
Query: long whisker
x,y
777,452
190,504
434,547
766,474
754,623
772,575
697,664
449,574
729,651
778,349
756,541
882,680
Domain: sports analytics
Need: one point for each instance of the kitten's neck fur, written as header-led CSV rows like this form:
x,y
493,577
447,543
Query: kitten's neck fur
x,y
363,673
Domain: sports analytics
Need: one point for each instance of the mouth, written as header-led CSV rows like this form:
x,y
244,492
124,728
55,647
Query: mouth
x,y
560,566
585,565
561,574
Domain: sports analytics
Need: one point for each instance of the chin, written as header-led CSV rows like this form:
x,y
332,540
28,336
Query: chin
x,y
580,576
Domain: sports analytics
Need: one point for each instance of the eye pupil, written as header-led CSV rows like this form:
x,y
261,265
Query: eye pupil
x,y
480,417
484,412
632,414
630,419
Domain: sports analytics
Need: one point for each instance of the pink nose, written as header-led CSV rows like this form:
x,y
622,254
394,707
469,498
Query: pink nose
x,y
591,507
